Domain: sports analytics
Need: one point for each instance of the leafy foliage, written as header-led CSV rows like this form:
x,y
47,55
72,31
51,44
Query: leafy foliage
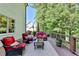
x,y
61,17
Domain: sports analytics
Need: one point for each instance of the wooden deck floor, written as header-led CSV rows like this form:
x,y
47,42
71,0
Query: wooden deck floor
x,y
61,51
48,50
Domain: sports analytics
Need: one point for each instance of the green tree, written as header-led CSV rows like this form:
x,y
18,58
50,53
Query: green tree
x,y
58,15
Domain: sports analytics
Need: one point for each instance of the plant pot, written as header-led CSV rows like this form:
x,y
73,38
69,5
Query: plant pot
x,y
59,43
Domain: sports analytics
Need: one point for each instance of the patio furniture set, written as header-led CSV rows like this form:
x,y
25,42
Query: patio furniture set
x,y
13,47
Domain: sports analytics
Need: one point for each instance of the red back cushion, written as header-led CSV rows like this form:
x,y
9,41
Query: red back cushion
x,y
8,40
41,35
24,34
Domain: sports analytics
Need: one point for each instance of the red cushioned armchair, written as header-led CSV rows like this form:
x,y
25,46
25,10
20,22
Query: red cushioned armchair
x,y
13,47
26,37
42,35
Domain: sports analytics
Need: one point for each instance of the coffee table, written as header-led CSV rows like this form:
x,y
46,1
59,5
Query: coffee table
x,y
39,43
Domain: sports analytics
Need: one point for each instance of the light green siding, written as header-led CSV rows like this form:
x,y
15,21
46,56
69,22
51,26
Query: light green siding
x,y
17,12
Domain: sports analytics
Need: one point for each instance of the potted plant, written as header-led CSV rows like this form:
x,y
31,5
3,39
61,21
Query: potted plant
x,y
59,42
34,33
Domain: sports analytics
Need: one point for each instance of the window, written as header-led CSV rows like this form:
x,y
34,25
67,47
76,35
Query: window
x,y
11,25
6,24
3,24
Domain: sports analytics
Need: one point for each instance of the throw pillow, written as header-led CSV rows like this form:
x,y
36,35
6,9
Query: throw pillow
x,y
15,43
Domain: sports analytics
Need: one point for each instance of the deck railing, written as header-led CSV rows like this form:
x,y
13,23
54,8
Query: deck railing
x,y
70,42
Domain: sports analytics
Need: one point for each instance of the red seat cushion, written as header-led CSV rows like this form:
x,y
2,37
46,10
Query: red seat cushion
x,y
21,45
44,36
9,40
31,38
39,36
